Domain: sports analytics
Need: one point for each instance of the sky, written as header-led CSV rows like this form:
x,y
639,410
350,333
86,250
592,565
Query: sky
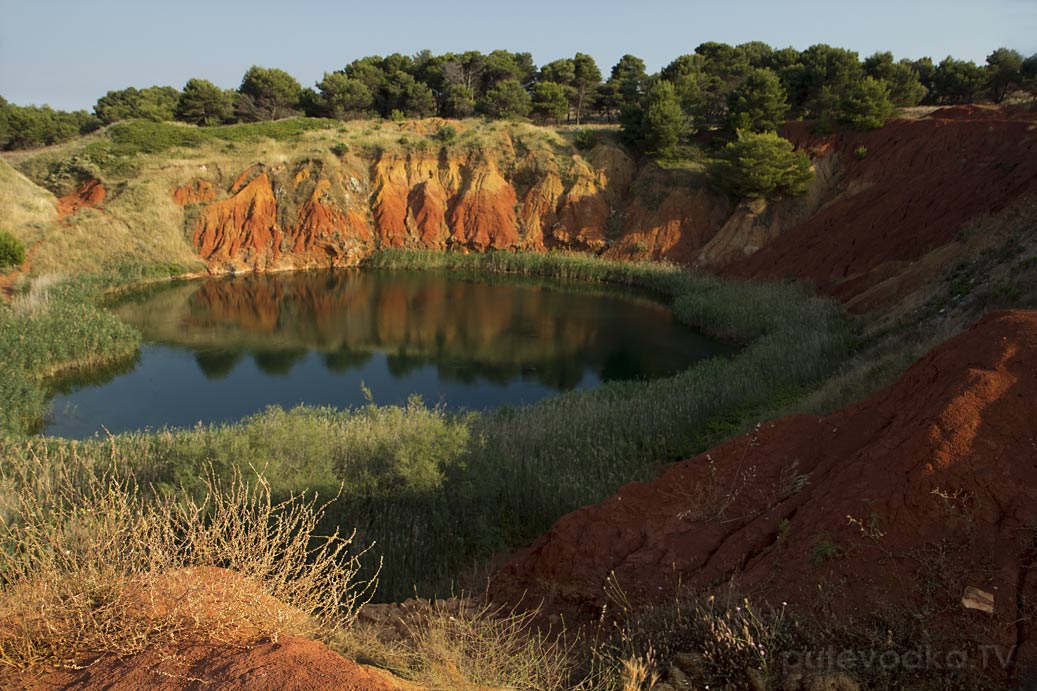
x,y
68,53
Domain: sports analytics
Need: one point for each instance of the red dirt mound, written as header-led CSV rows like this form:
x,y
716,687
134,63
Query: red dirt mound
x,y
290,664
905,498
918,183
197,191
90,194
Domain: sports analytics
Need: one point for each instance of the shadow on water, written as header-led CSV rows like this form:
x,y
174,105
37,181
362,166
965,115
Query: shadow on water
x,y
219,349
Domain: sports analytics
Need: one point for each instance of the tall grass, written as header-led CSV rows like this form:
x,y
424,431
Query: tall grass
x,y
437,492
53,330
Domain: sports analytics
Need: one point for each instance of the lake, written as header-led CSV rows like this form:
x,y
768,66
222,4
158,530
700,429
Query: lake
x,y
220,349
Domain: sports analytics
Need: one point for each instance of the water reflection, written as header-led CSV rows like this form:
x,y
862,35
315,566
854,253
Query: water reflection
x,y
314,337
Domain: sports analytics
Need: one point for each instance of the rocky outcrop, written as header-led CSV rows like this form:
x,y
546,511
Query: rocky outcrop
x,y
241,232
906,502
197,191
879,202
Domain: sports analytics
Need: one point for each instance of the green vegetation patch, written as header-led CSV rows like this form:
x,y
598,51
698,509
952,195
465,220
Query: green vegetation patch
x,y
438,492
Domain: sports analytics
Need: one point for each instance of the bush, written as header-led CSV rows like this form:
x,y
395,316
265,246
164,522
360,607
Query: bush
x,y
860,153
12,251
340,149
761,166
446,134
586,139
866,105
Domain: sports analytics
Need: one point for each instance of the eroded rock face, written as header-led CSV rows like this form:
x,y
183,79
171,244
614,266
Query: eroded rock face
x,y
241,232
862,223
87,196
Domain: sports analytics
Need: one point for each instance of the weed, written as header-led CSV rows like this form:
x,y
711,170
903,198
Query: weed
x,y
825,549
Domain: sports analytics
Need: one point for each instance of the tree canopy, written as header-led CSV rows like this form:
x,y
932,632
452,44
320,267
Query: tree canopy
x,y
761,166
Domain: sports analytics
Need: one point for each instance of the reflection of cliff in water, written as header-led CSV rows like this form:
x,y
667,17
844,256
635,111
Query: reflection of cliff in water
x,y
498,331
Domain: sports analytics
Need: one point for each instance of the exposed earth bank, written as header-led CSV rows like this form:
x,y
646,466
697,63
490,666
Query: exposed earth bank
x,y
897,503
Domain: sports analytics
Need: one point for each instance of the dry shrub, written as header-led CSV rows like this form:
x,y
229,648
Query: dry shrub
x,y
93,563
460,645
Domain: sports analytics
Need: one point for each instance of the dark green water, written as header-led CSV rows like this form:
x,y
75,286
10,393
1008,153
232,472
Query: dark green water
x,y
220,349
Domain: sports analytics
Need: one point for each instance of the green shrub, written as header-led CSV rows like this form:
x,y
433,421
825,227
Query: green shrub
x,y
866,105
761,165
12,251
446,134
586,139
340,149
860,153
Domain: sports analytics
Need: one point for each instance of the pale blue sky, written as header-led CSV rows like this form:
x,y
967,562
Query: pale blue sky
x,y
69,53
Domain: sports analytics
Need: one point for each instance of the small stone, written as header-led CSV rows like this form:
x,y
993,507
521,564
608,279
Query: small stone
x,y
974,598
691,664
677,678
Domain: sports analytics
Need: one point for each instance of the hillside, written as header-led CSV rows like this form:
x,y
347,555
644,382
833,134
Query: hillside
x,y
329,196
893,506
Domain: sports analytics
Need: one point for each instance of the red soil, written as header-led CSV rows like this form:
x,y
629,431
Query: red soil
x,y
289,664
919,183
89,195
218,644
195,192
940,470
243,227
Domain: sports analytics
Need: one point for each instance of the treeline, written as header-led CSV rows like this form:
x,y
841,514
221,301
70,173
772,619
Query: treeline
x,y
751,86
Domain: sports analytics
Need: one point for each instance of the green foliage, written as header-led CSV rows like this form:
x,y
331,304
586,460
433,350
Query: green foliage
x,y
722,69
125,140
664,122
404,93
154,103
761,166
820,78
23,127
824,550
203,103
458,101
508,99
758,104
905,85
549,101
956,81
866,105
860,153
51,333
342,97
586,139
1004,70
267,94
12,251
626,84
586,77
446,134
340,149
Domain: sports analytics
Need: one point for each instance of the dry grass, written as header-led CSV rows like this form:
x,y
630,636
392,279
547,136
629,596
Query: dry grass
x,y
460,645
27,211
90,563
